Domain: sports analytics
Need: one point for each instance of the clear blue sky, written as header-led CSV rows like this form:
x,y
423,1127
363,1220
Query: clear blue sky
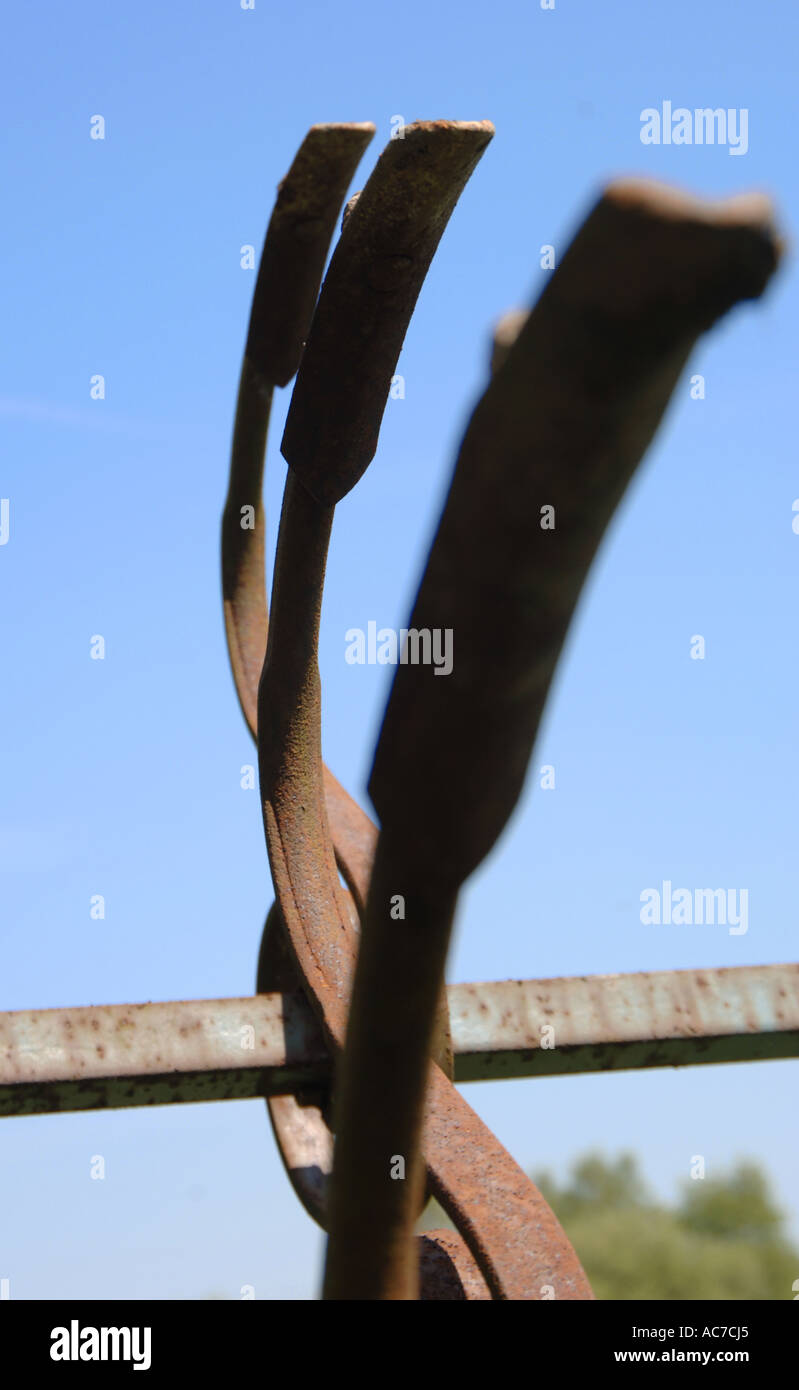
x,y
121,777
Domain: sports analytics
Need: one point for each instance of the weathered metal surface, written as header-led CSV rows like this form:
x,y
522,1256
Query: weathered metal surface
x,y
387,243
516,1239
119,1055
300,847
295,249
116,1055
289,274
295,246
301,1120
447,1270
563,423
311,898
598,1023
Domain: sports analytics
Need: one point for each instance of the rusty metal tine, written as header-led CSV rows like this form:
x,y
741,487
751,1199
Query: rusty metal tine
x,y
412,193
366,302
244,547
369,294
289,275
511,1231
295,246
291,791
300,1118
562,425
297,240
496,1208
438,158
559,431
320,929
289,757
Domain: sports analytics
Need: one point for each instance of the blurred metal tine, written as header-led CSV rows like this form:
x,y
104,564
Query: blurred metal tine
x,y
562,425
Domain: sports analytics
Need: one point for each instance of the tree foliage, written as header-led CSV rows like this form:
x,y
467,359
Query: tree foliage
x,y
723,1238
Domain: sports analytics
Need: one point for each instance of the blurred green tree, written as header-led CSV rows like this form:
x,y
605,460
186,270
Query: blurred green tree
x,y
724,1238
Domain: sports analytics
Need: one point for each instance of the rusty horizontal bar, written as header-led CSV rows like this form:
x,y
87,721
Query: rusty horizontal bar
x,y
119,1055
664,1018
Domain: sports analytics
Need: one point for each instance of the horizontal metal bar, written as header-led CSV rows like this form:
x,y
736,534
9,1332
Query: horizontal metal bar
x,y
118,1055
664,1018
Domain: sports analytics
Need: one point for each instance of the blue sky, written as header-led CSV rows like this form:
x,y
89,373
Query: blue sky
x,y
121,776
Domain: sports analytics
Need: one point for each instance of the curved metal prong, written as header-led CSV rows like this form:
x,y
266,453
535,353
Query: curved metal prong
x,y
557,435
